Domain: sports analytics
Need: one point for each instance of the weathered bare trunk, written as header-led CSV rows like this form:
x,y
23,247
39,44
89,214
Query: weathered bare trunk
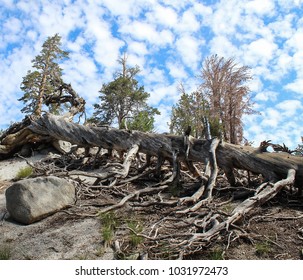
x,y
273,166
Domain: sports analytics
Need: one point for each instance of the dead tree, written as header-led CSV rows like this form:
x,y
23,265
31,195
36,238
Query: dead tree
x,y
273,166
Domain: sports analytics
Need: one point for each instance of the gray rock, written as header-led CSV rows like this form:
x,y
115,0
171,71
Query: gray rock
x,y
31,200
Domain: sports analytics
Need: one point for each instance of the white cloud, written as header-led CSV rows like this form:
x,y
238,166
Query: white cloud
x,y
123,8
81,71
222,46
162,120
8,3
138,48
260,7
188,23
282,27
272,118
260,51
105,47
13,69
203,11
295,86
176,70
177,5
283,64
153,75
255,85
226,17
164,16
188,47
76,45
143,31
266,96
136,59
289,4
294,43
289,108
163,93
13,25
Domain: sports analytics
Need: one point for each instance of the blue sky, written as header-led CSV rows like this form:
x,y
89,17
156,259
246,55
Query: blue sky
x,y
168,39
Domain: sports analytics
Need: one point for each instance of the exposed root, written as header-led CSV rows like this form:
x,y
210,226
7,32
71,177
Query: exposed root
x,y
130,156
132,195
206,192
240,211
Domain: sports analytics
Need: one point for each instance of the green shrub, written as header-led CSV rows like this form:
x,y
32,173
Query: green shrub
x,y
263,248
5,252
109,223
136,228
216,254
24,172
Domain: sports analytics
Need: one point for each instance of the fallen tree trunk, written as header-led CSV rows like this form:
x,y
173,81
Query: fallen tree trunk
x,y
273,166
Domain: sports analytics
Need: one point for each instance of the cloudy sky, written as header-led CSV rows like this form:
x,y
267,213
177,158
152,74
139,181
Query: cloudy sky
x,y
168,39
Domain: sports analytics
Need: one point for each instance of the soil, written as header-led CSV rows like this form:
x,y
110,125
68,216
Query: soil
x,y
277,237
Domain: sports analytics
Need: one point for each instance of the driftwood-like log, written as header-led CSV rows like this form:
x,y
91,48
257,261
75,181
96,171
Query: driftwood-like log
x,y
273,166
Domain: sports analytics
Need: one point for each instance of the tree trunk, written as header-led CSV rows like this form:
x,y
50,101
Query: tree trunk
x,y
273,166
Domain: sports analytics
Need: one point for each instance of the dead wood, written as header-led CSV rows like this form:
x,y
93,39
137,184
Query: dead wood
x,y
273,166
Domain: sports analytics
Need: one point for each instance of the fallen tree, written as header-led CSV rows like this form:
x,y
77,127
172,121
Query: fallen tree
x,y
273,166
278,169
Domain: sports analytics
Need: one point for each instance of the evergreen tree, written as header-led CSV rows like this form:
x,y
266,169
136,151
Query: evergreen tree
x,y
143,121
45,80
191,110
123,101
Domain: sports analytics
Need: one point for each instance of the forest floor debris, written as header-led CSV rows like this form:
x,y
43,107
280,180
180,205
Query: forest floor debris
x,y
150,224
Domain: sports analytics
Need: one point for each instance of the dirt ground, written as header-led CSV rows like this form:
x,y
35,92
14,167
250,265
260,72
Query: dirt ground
x,y
275,232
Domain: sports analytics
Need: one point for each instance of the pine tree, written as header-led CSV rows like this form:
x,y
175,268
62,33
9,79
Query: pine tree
x,y
143,121
123,101
45,80
191,110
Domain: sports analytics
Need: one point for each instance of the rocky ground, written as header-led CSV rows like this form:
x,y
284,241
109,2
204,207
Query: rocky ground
x,y
59,236
274,232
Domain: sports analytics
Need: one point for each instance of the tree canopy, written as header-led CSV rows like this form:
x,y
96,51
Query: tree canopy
x,y
224,83
124,101
45,79
220,101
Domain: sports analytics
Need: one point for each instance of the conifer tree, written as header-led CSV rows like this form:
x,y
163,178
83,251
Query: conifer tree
x,y
45,78
191,110
124,102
